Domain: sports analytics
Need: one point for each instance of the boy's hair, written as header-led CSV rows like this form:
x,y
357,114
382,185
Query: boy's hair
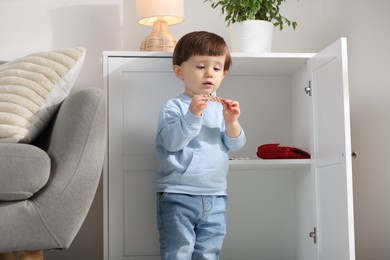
x,y
203,44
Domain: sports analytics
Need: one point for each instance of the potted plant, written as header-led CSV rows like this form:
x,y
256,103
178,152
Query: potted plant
x,y
250,21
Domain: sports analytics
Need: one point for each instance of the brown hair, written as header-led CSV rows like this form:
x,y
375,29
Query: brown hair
x,y
203,44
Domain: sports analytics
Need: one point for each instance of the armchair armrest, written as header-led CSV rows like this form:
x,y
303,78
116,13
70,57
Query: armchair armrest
x,y
75,142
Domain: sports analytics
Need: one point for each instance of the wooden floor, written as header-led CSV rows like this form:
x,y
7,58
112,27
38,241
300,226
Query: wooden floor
x,y
25,255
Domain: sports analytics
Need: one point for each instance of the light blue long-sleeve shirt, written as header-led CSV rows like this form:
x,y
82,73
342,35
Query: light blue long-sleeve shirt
x,y
193,150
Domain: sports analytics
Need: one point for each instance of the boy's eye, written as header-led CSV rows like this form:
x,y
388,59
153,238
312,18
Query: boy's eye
x,y
202,67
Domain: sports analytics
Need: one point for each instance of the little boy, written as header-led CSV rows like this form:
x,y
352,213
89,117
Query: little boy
x,y
194,135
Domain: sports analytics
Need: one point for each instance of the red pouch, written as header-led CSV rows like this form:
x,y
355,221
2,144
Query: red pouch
x,y
278,151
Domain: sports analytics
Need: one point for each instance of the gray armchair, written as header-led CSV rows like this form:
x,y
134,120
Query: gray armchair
x,y
47,187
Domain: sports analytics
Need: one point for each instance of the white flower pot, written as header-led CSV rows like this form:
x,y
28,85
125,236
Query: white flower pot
x,y
251,36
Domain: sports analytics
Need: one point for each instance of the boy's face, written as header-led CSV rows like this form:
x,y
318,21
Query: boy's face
x,y
202,75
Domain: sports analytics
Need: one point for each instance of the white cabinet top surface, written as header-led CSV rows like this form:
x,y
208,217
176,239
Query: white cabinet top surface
x,y
244,64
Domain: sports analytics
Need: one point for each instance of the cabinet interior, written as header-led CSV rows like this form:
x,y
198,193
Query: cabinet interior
x,y
270,212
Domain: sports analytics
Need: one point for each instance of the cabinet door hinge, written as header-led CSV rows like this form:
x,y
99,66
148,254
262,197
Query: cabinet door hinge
x,y
308,89
313,235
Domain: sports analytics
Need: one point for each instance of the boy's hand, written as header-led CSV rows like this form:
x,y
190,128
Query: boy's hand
x,y
231,112
197,104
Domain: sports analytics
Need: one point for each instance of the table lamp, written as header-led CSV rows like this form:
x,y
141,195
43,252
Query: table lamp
x,y
159,14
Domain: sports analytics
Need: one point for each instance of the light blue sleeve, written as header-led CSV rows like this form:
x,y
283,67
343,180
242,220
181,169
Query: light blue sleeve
x,y
175,130
236,143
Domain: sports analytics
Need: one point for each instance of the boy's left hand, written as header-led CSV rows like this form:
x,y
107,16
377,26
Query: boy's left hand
x,y
231,110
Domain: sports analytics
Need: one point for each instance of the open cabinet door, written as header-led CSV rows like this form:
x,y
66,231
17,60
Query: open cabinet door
x,y
332,155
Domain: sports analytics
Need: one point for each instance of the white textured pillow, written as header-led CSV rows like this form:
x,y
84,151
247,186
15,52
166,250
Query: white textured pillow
x,y
31,88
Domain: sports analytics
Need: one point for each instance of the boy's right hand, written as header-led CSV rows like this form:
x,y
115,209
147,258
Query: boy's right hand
x,y
198,103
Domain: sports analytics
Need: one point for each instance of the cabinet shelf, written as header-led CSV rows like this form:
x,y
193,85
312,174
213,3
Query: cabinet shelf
x,y
274,164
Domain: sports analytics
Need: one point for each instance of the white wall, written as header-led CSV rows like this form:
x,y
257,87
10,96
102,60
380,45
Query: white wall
x,y
27,26
200,16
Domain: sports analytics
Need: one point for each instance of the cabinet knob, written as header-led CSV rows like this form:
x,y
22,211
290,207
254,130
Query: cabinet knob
x,y
354,154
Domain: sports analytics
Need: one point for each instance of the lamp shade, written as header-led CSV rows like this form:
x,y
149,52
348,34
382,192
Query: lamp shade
x,y
148,11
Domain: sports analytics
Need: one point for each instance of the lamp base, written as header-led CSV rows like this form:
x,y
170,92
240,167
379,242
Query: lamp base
x,y
160,39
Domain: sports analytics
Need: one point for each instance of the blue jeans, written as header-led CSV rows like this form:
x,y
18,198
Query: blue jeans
x,y
191,227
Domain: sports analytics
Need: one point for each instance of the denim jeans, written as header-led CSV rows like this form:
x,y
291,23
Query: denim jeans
x,y
191,227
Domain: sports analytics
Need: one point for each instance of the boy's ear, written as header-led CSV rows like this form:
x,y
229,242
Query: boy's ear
x,y
178,72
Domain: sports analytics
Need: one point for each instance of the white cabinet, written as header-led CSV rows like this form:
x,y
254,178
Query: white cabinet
x,y
278,209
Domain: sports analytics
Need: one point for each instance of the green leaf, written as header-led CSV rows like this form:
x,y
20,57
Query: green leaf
x,y
241,10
